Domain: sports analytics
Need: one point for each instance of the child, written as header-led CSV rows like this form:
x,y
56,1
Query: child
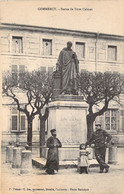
x,y
83,161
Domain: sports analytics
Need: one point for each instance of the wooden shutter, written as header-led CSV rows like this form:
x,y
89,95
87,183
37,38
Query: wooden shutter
x,y
122,120
21,68
14,72
43,69
50,70
14,123
22,122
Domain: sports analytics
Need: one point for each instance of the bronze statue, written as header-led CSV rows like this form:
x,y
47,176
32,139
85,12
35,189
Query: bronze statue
x,y
68,67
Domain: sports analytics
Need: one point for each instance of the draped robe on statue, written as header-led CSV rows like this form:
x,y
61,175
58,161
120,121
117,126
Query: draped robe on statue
x,y
68,65
52,163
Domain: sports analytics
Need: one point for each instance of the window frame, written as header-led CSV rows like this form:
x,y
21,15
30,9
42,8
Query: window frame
x,y
50,70
11,42
21,44
84,51
18,114
43,69
50,40
107,50
121,121
117,120
48,37
18,72
85,43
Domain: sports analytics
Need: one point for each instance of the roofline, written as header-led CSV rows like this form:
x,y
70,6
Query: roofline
x,y
59,30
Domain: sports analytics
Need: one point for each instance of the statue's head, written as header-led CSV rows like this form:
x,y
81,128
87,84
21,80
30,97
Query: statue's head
x,y
69,44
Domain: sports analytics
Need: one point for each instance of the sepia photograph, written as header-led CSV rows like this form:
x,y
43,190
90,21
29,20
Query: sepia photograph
x,y
62,97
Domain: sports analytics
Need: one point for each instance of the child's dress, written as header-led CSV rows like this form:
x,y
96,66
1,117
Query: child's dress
x,y
84,161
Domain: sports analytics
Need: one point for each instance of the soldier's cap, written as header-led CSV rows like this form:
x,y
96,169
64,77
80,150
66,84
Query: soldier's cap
x,y
52,130
98,124
69,42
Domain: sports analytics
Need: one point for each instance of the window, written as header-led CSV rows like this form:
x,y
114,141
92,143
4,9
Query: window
x,y
50,70
83,70
43,69
18,120
47,47
80,49
122,120
14,72
17,72
112,53
110,119
17,44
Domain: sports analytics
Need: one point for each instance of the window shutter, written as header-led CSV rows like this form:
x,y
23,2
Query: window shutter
x,y
14,69
43,69
114,121
22,127
122,120
21,68
15,72
50,70
107,120
21,74
14,123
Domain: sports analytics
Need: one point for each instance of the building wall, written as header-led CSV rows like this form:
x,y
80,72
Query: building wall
x,y
33,58
95,59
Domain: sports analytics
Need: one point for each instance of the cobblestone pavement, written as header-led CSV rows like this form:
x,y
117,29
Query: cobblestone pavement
x,y
66,181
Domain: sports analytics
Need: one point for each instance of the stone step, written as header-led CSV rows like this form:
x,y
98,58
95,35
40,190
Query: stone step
x,y
40,163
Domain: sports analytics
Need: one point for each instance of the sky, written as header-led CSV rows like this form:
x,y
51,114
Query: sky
x,y
93,16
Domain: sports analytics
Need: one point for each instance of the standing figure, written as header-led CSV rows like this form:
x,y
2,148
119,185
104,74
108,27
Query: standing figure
x,y
68,66
83,159
52,163
100,138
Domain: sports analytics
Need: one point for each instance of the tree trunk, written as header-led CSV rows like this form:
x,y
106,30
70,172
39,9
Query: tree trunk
x,y
92,116
29,135
90,121
42,134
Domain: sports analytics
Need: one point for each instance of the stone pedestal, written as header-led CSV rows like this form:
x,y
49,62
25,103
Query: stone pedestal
x,y
26,164
9,153
16,163
112,155
67,114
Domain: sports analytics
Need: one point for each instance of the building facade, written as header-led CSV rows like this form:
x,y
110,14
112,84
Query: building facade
x,y
26,47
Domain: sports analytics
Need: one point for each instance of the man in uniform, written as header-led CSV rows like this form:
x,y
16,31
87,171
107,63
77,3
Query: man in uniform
x,y
100,139
52,163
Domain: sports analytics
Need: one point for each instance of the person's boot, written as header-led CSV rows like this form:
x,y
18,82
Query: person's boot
x,y
101,171
106,169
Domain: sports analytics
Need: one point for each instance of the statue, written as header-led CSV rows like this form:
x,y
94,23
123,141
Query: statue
x,y
68,67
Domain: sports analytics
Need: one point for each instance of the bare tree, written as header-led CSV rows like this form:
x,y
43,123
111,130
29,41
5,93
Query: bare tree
x,y
36,89
98,87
